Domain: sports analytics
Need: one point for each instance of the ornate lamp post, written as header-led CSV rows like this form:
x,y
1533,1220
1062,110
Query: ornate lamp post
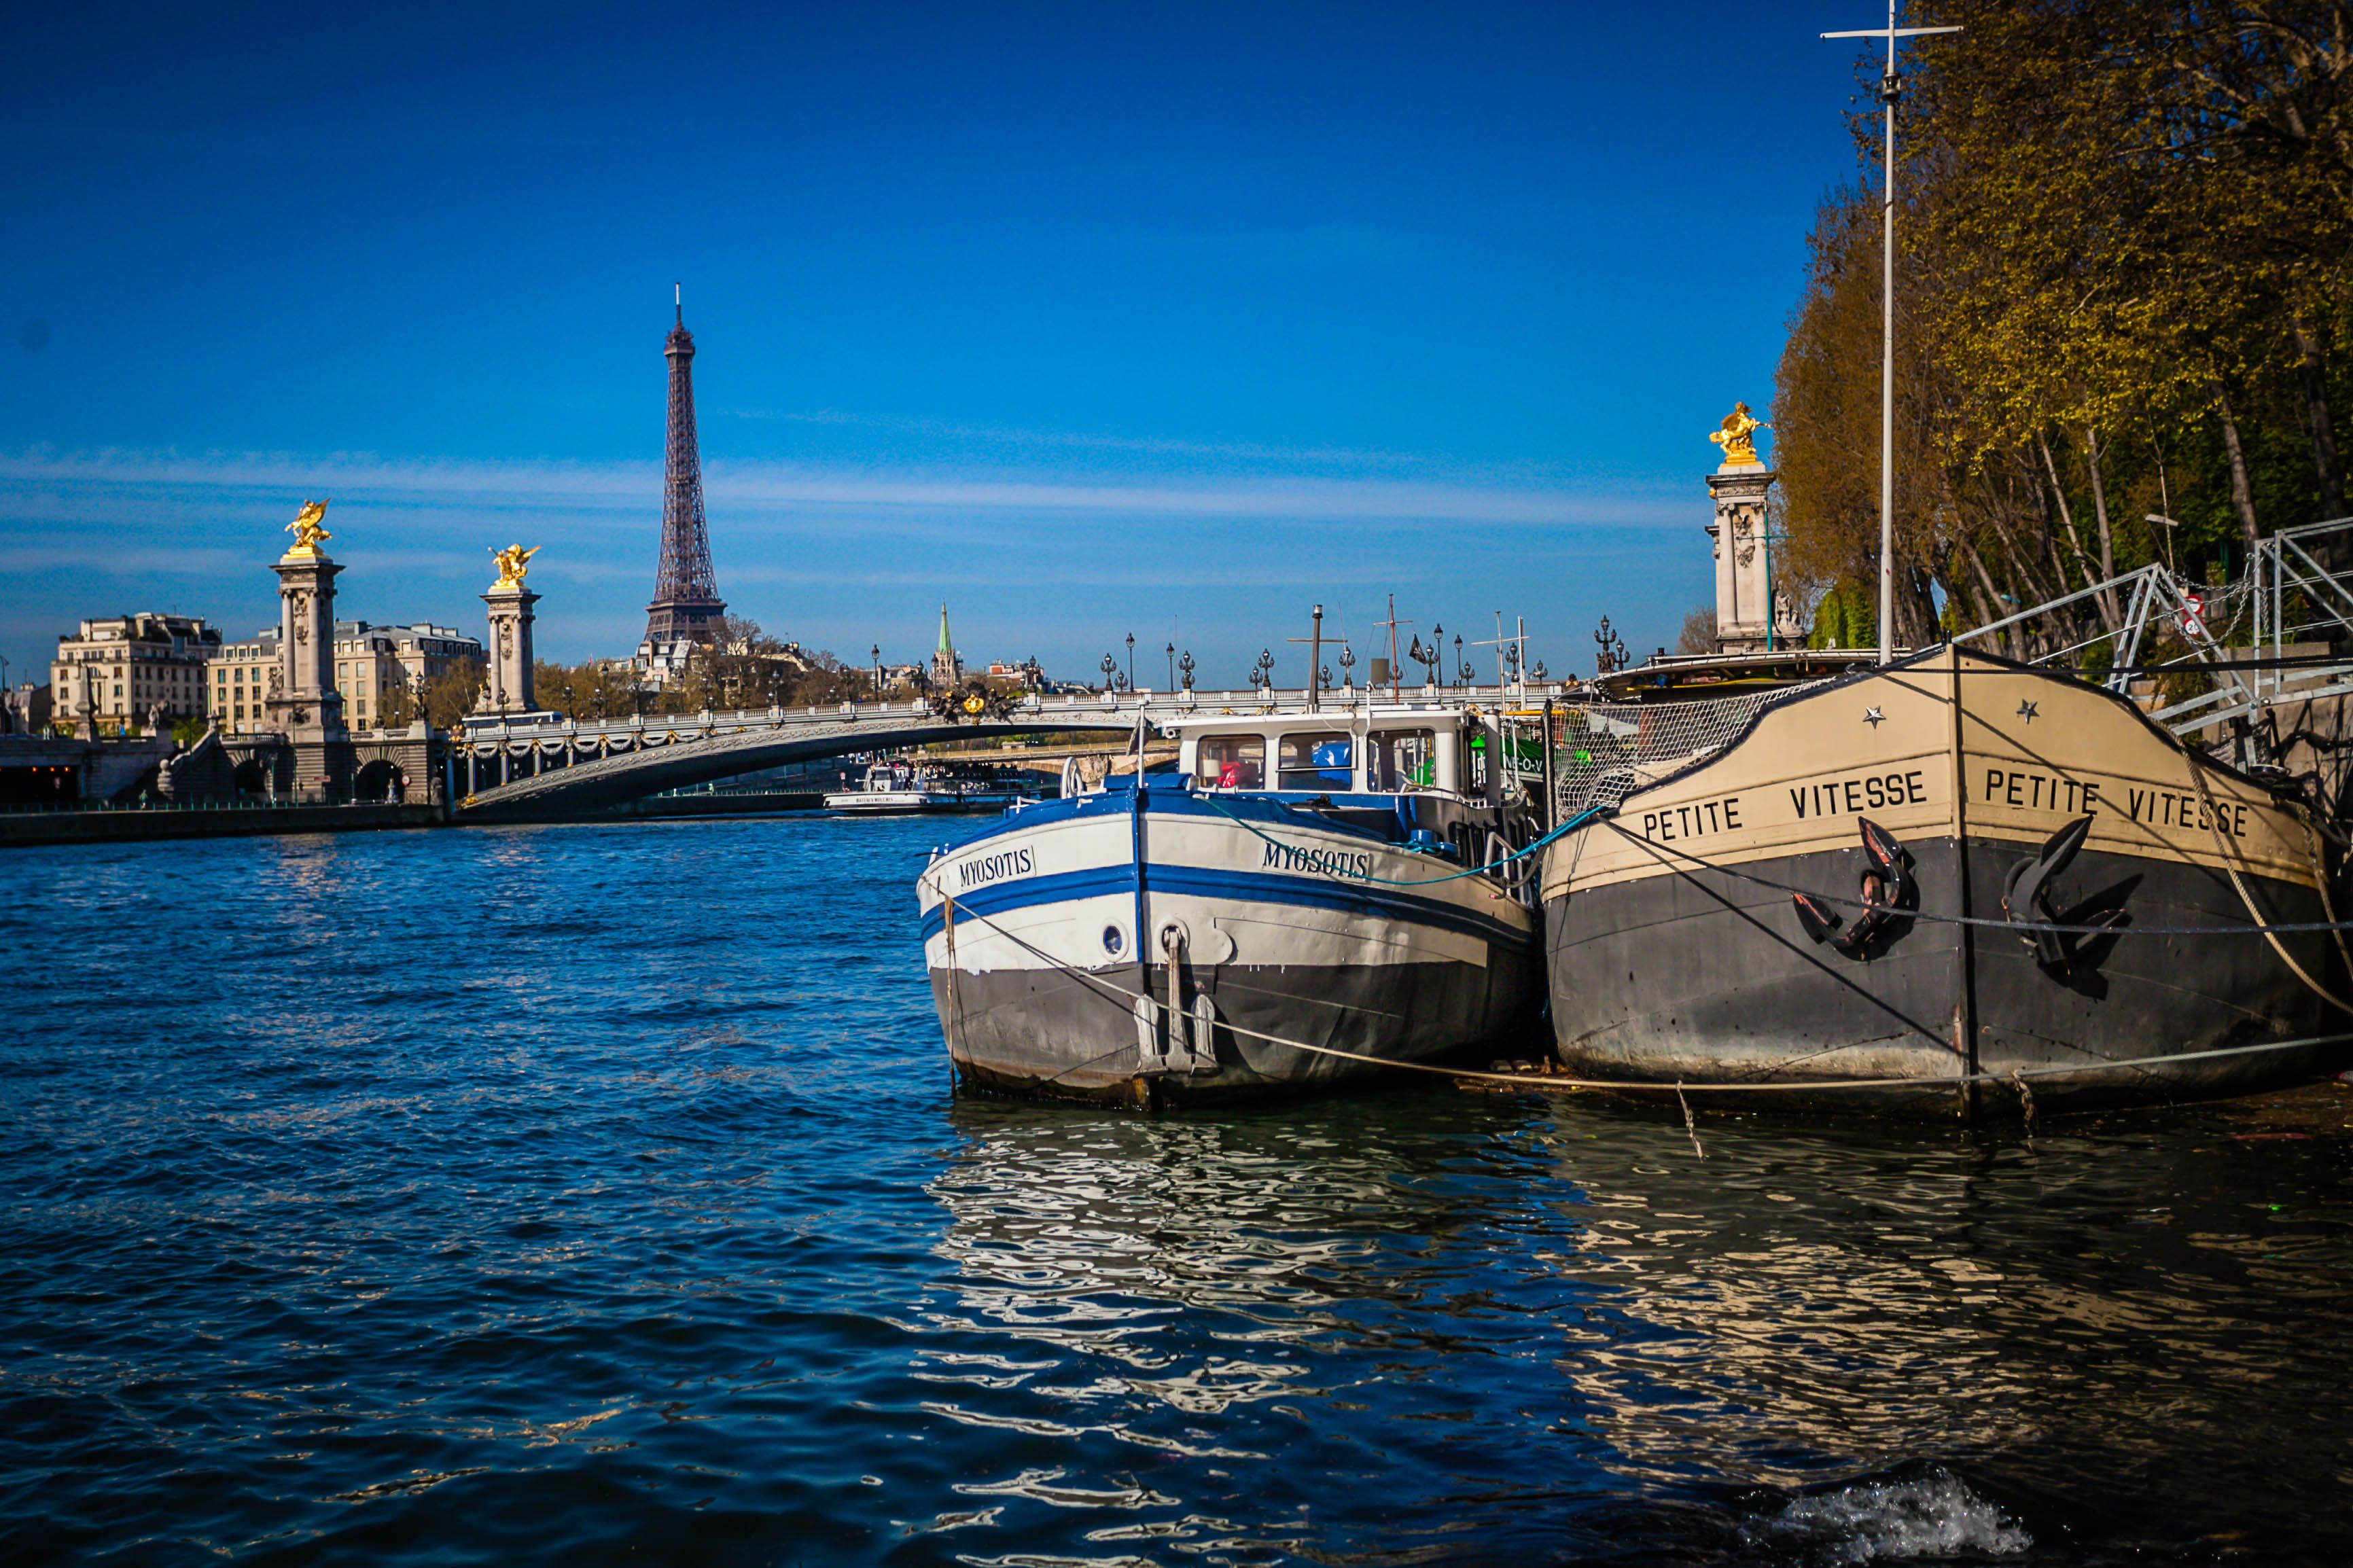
x,y
1347,668
1172,666
875,653
1185,665
1463,678
1131,661
1605,661
1110,666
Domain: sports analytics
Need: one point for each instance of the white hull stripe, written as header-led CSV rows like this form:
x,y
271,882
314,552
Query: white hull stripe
x,y
1242,887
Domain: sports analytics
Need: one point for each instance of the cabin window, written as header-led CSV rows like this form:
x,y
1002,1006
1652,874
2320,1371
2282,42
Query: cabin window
x,y
1402,759
1232,762
1319,762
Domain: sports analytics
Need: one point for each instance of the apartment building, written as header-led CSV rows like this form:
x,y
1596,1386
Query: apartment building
x,y
371,663
119,669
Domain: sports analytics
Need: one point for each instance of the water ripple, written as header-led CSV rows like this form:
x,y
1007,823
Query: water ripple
x,y
577,1195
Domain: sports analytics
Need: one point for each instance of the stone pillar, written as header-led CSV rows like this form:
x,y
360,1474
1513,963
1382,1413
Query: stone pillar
x,y
304,703
506,685
1748,605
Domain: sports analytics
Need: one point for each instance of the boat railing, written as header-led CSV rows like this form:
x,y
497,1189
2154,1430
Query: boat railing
x,y
2283,632
1603,751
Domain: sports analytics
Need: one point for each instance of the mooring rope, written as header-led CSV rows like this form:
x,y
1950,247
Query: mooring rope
x,y
1579,820
1127,1000
2022,927
2213,826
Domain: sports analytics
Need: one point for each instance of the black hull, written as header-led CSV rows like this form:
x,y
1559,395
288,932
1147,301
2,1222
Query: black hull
x,y
1702,977
1046,1033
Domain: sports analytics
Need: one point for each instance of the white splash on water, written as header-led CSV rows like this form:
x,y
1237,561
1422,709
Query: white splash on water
x,y
1931,1515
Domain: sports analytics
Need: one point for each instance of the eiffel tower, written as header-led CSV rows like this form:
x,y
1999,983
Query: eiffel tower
x,y
686,591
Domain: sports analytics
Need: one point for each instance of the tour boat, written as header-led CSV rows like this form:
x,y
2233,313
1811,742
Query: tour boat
x,y
899,787
1306,897
1773,900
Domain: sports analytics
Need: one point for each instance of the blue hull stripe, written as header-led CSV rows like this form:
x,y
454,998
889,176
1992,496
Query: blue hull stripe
x,y
1266,807
1242,886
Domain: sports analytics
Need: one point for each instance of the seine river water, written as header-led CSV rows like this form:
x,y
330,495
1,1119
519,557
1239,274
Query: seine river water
x,y
586,1194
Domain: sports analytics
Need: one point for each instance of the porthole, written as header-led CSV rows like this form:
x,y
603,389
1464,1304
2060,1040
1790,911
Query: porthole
x,y
1114,939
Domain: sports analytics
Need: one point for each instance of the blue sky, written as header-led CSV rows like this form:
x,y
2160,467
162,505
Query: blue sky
x,y
1088,320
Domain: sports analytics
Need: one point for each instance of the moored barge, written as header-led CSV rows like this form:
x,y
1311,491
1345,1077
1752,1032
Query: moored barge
x,y
1790,902
1308,896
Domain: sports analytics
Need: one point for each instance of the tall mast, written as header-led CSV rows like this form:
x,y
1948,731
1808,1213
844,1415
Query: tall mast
x,y
1890,88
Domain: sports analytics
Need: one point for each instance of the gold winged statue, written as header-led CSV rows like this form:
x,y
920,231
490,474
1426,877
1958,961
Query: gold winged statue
x,y
309,527
1738,437
513,562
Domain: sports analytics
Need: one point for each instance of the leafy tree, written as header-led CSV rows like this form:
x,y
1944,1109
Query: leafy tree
x,y
2127,230
448,697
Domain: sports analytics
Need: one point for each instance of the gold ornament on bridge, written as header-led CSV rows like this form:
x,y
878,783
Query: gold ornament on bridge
x,y
309,527
1738,437
513,562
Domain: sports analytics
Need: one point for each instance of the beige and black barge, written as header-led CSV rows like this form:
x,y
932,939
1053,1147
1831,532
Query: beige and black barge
x,y
1930,875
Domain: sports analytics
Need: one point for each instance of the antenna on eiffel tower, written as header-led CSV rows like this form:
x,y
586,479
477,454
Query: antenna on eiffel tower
x,y
678,297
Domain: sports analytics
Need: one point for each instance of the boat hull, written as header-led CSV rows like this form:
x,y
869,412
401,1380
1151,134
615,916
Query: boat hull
x,y
911,803
1289,929
1675,952
1049,1034
1708,980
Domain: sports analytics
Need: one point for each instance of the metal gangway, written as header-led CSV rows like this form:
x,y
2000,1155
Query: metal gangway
x,y
2287,599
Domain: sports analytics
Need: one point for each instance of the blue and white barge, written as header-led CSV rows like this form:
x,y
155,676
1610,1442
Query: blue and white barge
x,y
1307,896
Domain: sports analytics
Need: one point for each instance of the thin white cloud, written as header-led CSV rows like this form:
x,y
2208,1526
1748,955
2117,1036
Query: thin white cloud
x,y
630,489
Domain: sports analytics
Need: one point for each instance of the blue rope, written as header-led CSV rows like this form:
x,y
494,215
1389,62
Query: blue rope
x,y
1577,821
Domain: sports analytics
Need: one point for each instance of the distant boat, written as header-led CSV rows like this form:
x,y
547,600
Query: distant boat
x,y
903,788
1340,880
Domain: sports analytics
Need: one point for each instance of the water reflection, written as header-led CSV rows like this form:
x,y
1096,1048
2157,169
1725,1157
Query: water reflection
x,y
1522,1308
1858,1297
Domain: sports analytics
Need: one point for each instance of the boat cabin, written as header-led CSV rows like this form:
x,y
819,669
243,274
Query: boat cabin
x,y
1395,750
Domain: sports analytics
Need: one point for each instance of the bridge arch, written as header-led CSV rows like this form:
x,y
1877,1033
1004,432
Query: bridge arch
x,y
597,782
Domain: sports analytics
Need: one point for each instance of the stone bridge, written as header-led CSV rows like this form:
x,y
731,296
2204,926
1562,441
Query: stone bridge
x,y
559,767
